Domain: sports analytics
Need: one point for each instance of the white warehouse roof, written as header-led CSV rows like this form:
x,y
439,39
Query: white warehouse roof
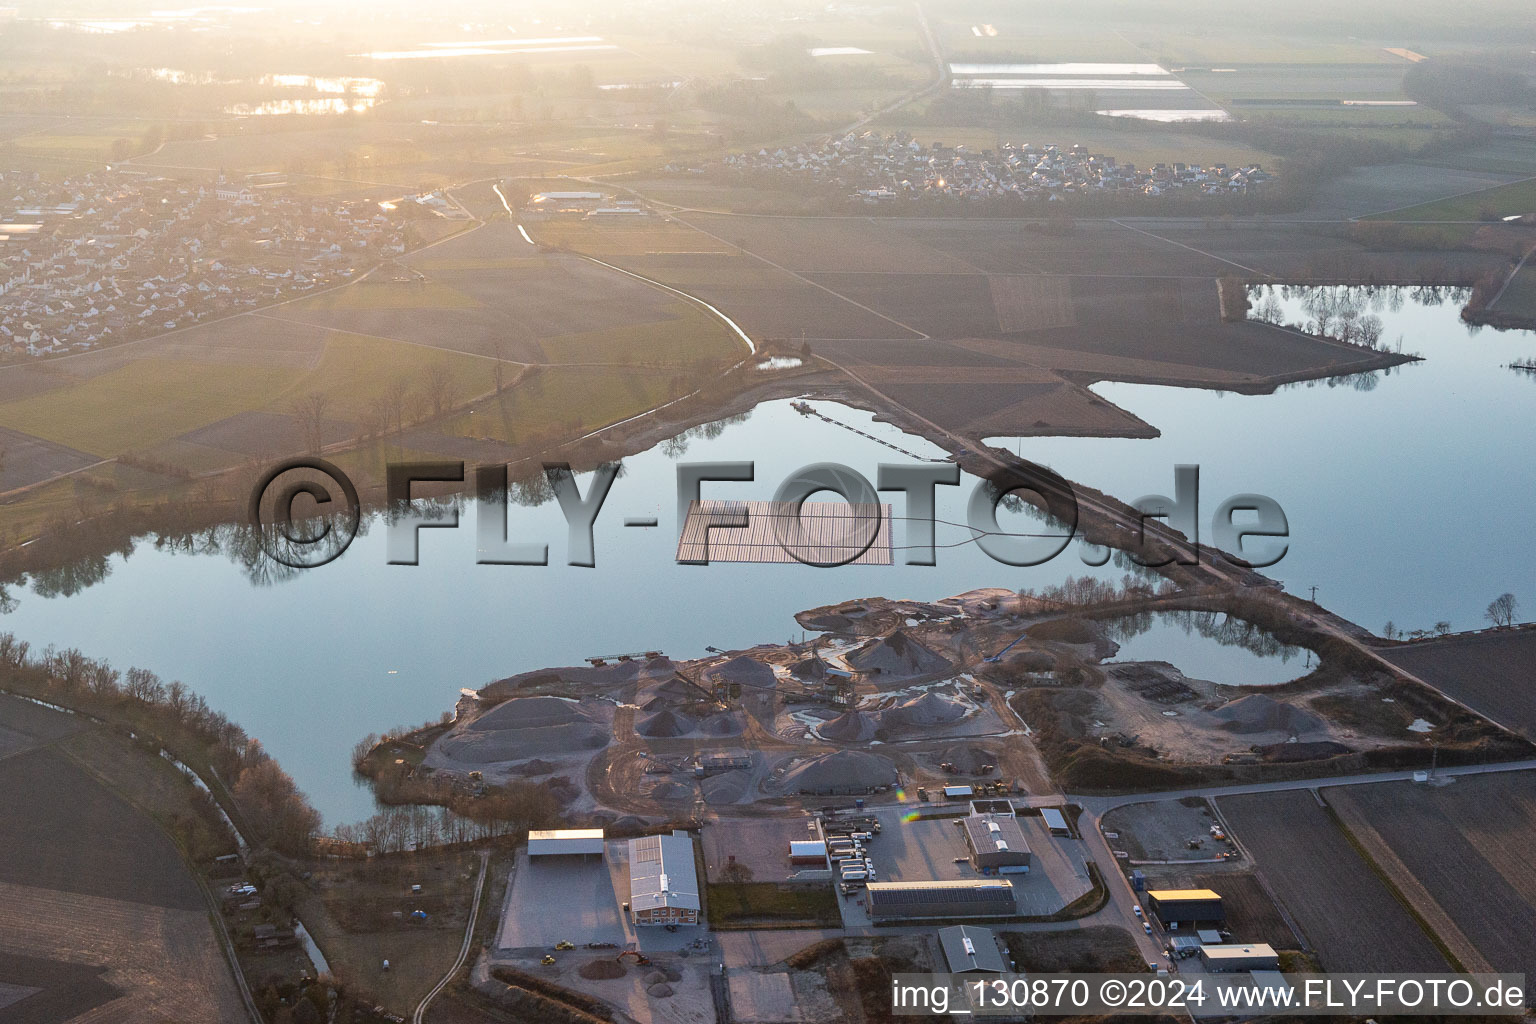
x,y
564,841
661,873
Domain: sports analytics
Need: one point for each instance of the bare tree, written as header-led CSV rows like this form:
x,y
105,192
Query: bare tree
x,y
395,400
498,352
310,413
439,387
1501,611
736,873
143,685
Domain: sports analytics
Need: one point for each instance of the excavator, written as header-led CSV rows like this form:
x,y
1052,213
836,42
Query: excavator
x,y
640,958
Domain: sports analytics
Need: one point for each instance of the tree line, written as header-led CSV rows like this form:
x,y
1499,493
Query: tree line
x,y
267,805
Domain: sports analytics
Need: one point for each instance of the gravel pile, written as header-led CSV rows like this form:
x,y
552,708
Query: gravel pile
x,y
896,655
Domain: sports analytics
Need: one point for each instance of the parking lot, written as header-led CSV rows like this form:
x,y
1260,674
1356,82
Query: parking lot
x,y
566,899
936,849
762,844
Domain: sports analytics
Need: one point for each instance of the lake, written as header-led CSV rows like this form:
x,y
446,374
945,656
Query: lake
x,y
1400,507
1209,645
1405,496
311,664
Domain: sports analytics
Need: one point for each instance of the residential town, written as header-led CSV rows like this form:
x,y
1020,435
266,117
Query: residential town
x,y
882,168
102,258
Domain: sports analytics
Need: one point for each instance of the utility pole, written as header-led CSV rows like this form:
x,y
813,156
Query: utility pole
x,y
1314,593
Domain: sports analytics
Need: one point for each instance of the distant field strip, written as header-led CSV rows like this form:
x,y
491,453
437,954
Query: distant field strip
x,y
1029,303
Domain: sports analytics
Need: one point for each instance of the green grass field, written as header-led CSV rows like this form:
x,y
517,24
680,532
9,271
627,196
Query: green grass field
x,y
152,401
692,338
1518,197
390,295
567,401
746,903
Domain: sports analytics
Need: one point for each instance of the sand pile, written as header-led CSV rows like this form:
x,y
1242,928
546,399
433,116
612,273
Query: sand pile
x,y
727,723
966,757
1258,713
676,690
524,726
612,675
809,668
538,766
850,727
896,655
601,970
659,991
850,770
665,723
671,791
727,788
748,672
930,709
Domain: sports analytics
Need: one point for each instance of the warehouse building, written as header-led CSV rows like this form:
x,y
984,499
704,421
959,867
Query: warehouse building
x,y
663,884
1257,956
1183,907
971,950
996,843
565,842
807,851
982,897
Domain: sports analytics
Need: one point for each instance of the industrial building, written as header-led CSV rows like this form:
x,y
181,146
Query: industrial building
x,y
982,897
663,883
565,202
971,950
996,843
1257,956
565,842
808,851
1176,907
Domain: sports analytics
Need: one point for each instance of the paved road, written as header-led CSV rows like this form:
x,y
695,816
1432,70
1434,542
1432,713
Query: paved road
x,y
1100,804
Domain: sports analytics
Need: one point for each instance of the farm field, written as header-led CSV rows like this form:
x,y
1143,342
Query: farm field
x,y
92,922
157,399
1341,905
1468,844
216,395
1492,673
1497,200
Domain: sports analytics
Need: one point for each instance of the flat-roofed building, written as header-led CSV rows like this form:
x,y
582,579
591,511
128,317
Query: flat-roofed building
x,y
808,851
663,883
996,843
1185,906
1055,821
982,897
1254,956
565,842
969,949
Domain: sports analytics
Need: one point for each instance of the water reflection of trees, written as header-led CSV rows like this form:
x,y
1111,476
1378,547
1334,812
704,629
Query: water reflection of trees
x,y
1347,313
1217,626
677,446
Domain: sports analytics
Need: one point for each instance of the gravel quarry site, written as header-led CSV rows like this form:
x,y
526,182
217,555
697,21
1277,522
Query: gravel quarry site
x,y
782,512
